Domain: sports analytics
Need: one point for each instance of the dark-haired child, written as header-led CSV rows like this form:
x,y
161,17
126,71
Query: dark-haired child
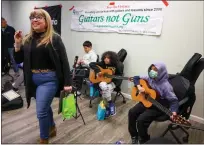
x,y
109,60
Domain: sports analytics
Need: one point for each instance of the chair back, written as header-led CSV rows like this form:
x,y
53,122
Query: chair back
x,y
122,55
197,69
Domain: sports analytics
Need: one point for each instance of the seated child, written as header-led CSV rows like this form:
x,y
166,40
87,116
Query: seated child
x,y
83,63
139,117
89,56
109,60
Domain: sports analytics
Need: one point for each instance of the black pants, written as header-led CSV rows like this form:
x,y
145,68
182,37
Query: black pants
x,y
140,118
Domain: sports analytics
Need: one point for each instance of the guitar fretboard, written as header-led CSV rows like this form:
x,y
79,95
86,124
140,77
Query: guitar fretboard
x,y
158,105
116,77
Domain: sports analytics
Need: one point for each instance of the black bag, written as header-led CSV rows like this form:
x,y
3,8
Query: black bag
x,y
7,105
11,105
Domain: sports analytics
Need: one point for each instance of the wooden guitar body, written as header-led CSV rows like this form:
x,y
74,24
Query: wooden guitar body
x,y
141,96
102,78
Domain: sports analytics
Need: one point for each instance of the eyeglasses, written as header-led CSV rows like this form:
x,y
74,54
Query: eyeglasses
x,y
36,17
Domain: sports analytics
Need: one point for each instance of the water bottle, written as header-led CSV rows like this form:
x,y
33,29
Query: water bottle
x,y
96,94
91,90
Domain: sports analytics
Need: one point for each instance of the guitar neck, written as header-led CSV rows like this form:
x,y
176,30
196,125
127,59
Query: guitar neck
x,y
159,106
116,77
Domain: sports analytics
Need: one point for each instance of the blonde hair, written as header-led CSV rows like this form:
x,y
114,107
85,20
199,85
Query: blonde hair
x,y
47,37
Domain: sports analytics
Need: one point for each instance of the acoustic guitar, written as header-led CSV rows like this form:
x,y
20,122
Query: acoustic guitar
x,y
148,98
106,76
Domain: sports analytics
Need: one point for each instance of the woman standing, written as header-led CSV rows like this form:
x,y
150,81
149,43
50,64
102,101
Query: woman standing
x,y
46,68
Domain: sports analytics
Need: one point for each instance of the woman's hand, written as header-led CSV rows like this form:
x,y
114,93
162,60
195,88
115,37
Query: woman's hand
x,y
68,88
18,37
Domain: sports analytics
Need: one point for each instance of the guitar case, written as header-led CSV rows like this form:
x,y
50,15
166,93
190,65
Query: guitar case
x,y
7,105
187,71
122,55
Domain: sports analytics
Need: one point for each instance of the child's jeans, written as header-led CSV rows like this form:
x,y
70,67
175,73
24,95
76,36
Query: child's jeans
x,y
107,89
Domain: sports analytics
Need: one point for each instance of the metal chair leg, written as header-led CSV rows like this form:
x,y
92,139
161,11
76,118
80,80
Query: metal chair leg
x,y
124,101
173,134
115,97
164,133
185,138
186,132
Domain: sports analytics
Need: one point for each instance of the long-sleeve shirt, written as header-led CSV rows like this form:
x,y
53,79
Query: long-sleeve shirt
x,y
88,58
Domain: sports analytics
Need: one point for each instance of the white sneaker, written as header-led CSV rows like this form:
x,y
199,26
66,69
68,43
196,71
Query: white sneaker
x,y
78,93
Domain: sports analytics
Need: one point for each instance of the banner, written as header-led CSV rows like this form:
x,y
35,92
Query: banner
x,y
121,18
55,14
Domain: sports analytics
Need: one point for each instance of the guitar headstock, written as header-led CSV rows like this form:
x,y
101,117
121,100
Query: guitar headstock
x,y
181,120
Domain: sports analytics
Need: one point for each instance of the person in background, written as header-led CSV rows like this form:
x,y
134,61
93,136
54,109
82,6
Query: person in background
x,y
109,60
19,80
89,56
8,38
46,68
139,117
83,64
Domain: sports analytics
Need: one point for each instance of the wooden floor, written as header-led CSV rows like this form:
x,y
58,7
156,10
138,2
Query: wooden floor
x,y
21,126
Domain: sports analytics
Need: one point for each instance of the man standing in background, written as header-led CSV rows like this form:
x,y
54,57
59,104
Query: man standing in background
x,y
8,45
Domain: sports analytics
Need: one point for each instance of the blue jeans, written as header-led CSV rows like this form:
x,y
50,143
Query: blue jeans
x,y
15,66
47,86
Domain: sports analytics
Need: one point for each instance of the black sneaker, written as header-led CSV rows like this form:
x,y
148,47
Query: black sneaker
x,y
142,141
135,140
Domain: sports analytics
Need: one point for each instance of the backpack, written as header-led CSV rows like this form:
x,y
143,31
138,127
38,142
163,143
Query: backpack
x,y
7,102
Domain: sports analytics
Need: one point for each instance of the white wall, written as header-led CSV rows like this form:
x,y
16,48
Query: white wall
x,y
182,36
6,12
